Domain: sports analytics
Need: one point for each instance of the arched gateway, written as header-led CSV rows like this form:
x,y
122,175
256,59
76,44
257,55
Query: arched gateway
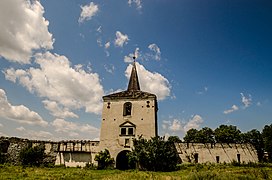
x,y
122,160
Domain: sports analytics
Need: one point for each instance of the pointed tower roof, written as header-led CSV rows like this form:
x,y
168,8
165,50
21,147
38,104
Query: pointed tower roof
x,y
133,84
133,91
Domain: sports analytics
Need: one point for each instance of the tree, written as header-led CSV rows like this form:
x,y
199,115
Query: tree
x,y
267,138
104,159
174,139
154,154
4,144
191,136
32,156
206,135
227,134
255,138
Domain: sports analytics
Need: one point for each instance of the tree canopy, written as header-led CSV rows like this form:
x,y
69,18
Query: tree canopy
x,y
255,138
154,154
227,134
174,139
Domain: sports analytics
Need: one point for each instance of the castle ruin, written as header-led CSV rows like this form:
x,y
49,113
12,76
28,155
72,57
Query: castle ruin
x,y
127,115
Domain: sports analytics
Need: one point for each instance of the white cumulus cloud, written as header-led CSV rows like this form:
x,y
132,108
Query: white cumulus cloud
x,y
23,29
74,129
156,50
121,39
19,113
138,3
175,125
232,109
247,101
193,123
87,12
36,134
58,111
151,82
56,81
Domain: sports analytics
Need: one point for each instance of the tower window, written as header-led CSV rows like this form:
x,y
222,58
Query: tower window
x,y
127,129
126,142
147,104
123,131
127,109
130,131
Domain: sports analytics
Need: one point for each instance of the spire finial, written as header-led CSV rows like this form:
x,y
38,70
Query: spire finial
x,y
135,54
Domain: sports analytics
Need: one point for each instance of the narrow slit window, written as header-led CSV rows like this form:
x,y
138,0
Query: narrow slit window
x,y
239,158
196,157
217,159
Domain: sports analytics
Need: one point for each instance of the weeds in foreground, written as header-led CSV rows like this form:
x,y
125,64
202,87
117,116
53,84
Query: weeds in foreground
x,y
189,171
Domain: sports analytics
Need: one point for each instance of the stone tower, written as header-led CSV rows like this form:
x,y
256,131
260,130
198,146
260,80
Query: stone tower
x,y
127,115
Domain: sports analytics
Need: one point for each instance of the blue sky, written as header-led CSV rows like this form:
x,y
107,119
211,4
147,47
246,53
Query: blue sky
x,y
209,62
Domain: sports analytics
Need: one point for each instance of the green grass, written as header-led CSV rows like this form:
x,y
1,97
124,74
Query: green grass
x,y
209,171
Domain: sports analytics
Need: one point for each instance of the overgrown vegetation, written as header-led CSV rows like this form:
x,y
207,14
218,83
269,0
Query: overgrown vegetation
x,y
187,171
104,159
154,155
3,151
32,156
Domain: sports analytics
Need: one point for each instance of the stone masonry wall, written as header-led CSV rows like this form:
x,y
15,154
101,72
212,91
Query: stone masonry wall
x,y
216,153
10,147
79,153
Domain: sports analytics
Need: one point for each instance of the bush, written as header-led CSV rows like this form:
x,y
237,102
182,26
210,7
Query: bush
x,y
104,159
154,155
32,156
89,166
3,158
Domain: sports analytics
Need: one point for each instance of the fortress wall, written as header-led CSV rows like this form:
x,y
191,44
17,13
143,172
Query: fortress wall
x,y
68,153
76,153
79,153
216,153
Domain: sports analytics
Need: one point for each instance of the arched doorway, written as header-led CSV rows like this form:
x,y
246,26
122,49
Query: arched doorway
x,y
122,160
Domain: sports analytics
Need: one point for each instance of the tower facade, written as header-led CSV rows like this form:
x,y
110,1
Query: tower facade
x,y
127,115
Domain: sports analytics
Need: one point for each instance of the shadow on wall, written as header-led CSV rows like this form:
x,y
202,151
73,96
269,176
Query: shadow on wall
x,y
84,157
